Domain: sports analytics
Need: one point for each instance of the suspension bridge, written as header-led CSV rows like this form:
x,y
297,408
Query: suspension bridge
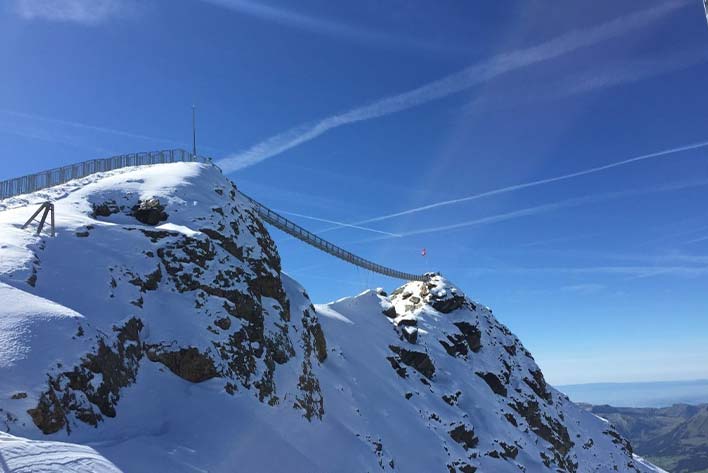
x,y
53,177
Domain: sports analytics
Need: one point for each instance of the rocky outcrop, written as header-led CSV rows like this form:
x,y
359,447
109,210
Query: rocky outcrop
x,y
464,436
230,270
494,383
187,363
149,212
92,389
420,362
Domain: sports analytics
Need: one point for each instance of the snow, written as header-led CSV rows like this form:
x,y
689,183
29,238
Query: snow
x,y
20,455
374,418
650,467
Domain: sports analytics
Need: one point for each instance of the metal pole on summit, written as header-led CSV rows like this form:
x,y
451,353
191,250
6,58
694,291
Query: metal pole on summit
x,y
194,131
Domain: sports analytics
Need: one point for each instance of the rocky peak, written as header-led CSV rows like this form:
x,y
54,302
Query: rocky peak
x,y
183,274
158,326
473,383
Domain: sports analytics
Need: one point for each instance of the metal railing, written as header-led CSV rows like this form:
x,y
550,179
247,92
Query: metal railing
x,y
310,238
53,177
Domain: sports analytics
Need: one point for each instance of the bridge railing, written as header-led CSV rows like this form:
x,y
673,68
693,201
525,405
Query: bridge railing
x,y
310,238
56,176
53,177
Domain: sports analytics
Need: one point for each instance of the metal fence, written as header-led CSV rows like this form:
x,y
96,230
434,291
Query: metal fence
x,y
53,177
310,238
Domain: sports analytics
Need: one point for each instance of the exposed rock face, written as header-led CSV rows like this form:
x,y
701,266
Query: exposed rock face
x,y
418,361
91,390
464,436
187,363
463,340
226,275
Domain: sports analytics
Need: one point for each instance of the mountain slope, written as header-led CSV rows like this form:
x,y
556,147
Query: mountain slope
x,y
158,332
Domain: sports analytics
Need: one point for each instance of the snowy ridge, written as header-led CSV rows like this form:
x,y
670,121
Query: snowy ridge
x,y
157,332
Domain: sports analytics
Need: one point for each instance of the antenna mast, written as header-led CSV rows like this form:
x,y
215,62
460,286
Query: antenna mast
x,y
194,131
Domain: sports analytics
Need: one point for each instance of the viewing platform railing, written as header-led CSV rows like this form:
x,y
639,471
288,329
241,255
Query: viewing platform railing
x,y
56,176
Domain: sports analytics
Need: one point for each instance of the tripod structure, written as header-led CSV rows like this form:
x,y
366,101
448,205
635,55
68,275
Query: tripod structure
x,y
48,208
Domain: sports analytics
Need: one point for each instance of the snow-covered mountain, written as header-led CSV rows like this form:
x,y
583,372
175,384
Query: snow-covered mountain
x,y
157,332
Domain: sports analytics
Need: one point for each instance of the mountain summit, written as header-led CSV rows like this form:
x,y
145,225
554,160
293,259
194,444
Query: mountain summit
x,y
157,332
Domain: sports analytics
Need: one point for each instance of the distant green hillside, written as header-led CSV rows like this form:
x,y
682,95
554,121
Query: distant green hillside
x,y
675,438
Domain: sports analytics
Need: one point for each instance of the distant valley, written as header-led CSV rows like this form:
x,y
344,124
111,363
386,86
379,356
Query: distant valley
x,y
674,438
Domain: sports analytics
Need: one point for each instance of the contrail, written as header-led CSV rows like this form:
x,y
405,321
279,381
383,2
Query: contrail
x,y
473,75
539,182
340,224
544,208
100,129
695,240
574,202
504,190
320,25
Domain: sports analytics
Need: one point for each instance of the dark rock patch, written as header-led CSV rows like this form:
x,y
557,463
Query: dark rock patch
x,y
473,336
150,212
390,312
451,399
455,345
464,436
510,451
400,370
494,383
410,334
150,282
223,323
117,364
419,361
105,209
538,384
407,322
510,349
617,439
446,306
549,430
187,363
320,342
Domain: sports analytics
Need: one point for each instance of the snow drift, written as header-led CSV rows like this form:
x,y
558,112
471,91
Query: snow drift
x,y
157,332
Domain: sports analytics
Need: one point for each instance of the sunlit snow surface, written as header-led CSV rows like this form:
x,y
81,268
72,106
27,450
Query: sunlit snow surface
x,y
165,423
18,455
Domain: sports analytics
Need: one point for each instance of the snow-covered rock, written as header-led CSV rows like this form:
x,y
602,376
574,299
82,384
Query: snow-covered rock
x,y
157,332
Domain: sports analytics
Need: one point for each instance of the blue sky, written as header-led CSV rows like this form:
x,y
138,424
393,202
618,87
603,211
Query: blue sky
x,y
500,136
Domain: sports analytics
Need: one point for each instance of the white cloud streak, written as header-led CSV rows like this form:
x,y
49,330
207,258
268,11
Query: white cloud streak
x,y
85,126
696,240
35,129
318,25
473,75
346,225
540,182
575,202
545,208
632,271
56,139
84,12
597,77
503,190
